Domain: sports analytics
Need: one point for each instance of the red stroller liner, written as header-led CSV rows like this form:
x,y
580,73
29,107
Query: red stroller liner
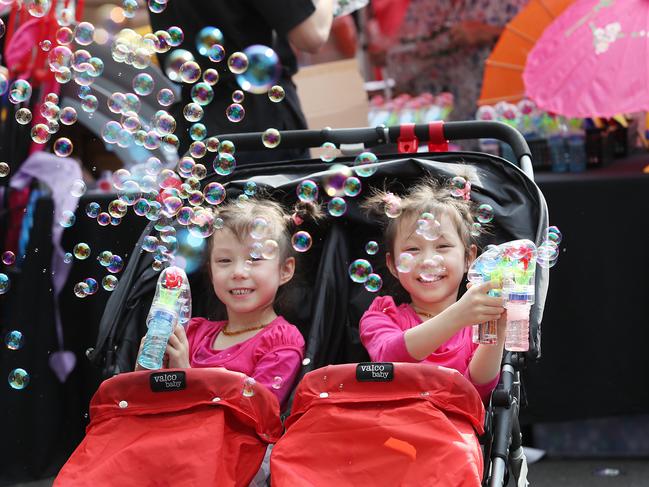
x,y
207,434
419,429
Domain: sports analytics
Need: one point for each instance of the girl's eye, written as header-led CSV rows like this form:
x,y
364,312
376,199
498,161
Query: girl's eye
x,y
445,246
412,249
256,259
222,261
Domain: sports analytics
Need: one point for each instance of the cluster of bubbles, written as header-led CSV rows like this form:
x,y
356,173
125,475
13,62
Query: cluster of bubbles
x,y
548,252
361,272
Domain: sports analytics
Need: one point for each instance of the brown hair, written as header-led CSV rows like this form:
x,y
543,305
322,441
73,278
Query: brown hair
x,y
239,216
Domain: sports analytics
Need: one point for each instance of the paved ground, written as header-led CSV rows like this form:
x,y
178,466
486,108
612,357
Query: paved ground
x,y
557,473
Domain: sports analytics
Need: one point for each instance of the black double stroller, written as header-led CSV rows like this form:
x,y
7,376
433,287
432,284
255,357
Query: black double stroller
x,y
331,304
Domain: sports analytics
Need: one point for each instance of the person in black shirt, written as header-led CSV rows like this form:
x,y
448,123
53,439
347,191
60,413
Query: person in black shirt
x,y
279,24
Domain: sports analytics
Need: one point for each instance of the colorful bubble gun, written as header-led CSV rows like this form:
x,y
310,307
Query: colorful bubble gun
x,y
481,270
171,306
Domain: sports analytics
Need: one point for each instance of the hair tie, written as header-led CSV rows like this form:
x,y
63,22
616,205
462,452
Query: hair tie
x,y
467,191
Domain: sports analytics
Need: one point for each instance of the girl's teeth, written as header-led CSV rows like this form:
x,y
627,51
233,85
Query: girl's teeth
x,y
241,291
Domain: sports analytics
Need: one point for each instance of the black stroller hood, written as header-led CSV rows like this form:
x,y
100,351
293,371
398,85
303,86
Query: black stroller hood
x,y
330,304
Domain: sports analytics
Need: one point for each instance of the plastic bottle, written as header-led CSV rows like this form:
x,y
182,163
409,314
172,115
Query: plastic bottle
x,y
518,307
170,306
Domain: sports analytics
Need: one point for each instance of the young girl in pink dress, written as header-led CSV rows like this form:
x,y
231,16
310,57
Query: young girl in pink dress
x,y
250,258
429,247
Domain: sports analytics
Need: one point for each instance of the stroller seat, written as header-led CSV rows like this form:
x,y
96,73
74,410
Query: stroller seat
x,y
420,428
175,427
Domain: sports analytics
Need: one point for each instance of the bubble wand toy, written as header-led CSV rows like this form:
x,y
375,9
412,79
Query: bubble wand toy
x,y
171,305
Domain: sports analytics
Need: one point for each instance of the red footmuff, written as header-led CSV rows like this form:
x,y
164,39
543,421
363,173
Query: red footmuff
x,y
381,424
175,427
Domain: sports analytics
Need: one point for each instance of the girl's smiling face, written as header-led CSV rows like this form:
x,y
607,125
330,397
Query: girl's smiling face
x,y
245,285
432,293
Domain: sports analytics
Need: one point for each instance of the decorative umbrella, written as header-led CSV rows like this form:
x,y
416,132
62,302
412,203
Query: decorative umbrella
x,y
592,61
502,79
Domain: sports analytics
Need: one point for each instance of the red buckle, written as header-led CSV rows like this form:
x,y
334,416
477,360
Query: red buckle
x,y
407,142
436,140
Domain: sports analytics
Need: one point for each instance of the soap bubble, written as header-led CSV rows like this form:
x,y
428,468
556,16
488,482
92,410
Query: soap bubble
x,y
23,116
371,247
248,387
109,282
165,97
334,182
227,147
64,35
224,164
352,186
329,152
19,378
20,91
271,138
307,191
202,224
276,94
554,235
216,53
190,72
156,6
301,241
130,8
67,219
143,84
38,8
68,258
117,208
373,283
40,133
214,193
238,96
337,206
8,257
428,227
211,76
405,262
193,112
45,45
485,213
81,251
278,382
263,69
81,290
89,104
392,207
206,38
238,62
116,264
259,228
92,284
176,35
4,169
235,113
270,249
150,243
103,219
68,116
14,340
83,33
431,268
5,283
458,186
93,209
174,61
359,270
63,147
202,93
77,188
104,258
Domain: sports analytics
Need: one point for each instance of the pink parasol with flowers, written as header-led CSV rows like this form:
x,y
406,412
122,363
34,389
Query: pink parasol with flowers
x,y
593,60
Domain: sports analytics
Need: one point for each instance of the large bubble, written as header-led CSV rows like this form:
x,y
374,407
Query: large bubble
x,y
263,69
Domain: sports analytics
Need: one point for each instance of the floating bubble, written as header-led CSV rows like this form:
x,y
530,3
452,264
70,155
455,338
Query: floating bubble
x,y
431,268
156,6
5,283
14,340
216,53
165,97
64,35
20,91
67,219
50,110
3,28
206,38
405,262
83,33
235,112
392,206
185,215
92,284
301,241
164,123
129,8
81,251
104,258
271,138
77,188
89,104
19,378
190,72
259,228
202,224
81,290
103,219
428,227
255,250
177,36
150,243
224,164
373,283
270,249
52,126
174,61
211,76
193,112
40,133
197,149
238,62
68,116
4,84
116,264
248,387
485,213
334,182
62,147
371,247
45,45
352,186
143,84
141,207
68,258
171,205
109,282
23,116
359,270
476,229
226,147
337,206
554,235
458,186
38,8
329,152
278,382
4,169
276,94
250,188
238,96
8,257
307,191
202,93
262,71
214,193
117,208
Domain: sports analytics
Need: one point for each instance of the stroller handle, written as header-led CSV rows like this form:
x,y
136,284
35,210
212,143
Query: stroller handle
x,y
374,136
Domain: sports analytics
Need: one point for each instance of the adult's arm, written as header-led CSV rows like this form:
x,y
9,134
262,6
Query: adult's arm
x,y
313,32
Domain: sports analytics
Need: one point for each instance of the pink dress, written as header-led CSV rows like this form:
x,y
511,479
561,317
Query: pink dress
x,y
273,356
382,329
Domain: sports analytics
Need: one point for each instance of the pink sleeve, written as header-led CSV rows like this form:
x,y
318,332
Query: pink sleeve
x,y
191,329
277,371
381,334
483,389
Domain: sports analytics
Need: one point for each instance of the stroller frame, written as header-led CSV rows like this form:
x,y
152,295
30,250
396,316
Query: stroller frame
x,y
502,441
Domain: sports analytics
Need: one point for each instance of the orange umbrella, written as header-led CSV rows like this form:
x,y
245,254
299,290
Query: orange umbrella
x,y
503,72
